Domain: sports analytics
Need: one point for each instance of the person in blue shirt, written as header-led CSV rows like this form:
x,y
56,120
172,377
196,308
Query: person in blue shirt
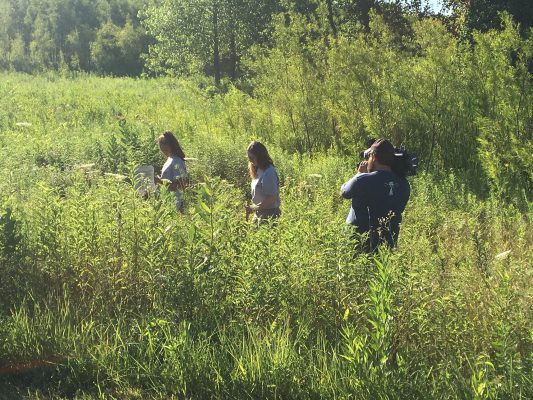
x,y
379,194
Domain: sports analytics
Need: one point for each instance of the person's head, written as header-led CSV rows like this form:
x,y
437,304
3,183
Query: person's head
x,y
381,156
258,158
170,146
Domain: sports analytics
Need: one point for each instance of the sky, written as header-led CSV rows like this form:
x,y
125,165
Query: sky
x,y
435,4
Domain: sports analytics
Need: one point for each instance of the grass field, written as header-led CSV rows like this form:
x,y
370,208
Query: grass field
x,y
106,295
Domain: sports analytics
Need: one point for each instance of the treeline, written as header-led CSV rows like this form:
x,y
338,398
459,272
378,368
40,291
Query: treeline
x,y
103,36
209,37
213,37
320,75
454,88
462,105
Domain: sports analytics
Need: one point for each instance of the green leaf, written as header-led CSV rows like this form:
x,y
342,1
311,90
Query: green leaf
x,y
346,314
205,207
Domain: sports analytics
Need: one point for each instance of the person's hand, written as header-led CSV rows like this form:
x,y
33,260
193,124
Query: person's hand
x,y
249,210
173,186
362,167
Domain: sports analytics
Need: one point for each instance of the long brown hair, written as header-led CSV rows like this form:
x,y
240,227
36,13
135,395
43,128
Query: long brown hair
x,y
169,139
260,152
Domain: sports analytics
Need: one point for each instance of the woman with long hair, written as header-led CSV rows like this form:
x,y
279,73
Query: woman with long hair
x,y
174,172
265,184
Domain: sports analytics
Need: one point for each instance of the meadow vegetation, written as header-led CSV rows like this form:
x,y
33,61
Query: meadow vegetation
x,y
132,300
107,295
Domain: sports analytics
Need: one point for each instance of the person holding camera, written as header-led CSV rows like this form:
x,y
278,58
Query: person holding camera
x,y
379,193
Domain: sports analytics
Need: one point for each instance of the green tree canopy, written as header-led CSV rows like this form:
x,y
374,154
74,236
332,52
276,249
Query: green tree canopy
x,y
45,34
205,35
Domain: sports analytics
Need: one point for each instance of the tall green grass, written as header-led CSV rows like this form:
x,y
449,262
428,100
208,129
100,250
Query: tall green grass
x,y
126,299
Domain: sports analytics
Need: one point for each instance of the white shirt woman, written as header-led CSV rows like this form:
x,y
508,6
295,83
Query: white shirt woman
x,y
265,184
174,171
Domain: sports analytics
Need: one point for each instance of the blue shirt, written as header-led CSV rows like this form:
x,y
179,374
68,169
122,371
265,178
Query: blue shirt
x,y
378,200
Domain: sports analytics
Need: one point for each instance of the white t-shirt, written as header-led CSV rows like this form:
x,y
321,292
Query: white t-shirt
x,y
175,168
266,184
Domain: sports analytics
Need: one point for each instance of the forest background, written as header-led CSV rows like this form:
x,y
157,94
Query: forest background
x,y
244,44
105,295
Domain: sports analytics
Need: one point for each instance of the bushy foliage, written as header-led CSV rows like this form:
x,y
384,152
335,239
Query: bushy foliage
x,y
78,35
110,295
459,106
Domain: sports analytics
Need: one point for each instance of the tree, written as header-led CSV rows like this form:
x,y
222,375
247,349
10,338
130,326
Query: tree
x,y
105,51
205,36
133,42
483,14
182,34
43,49
118,50
18,58
54,33
4,33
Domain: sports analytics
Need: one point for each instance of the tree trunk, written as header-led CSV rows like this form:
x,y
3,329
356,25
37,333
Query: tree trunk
x,y
216,51
433,127
233,51
364,7
331,18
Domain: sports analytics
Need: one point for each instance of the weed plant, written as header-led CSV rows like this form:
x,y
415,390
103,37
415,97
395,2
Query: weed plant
x,y
107,295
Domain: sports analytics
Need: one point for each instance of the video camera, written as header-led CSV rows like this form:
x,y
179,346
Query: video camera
x,y
406,164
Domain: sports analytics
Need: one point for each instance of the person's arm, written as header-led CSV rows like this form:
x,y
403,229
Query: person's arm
x,y
270,189
350,188
267,203
179,183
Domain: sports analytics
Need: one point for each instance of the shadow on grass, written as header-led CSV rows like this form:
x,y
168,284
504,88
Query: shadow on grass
x,y
55,377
